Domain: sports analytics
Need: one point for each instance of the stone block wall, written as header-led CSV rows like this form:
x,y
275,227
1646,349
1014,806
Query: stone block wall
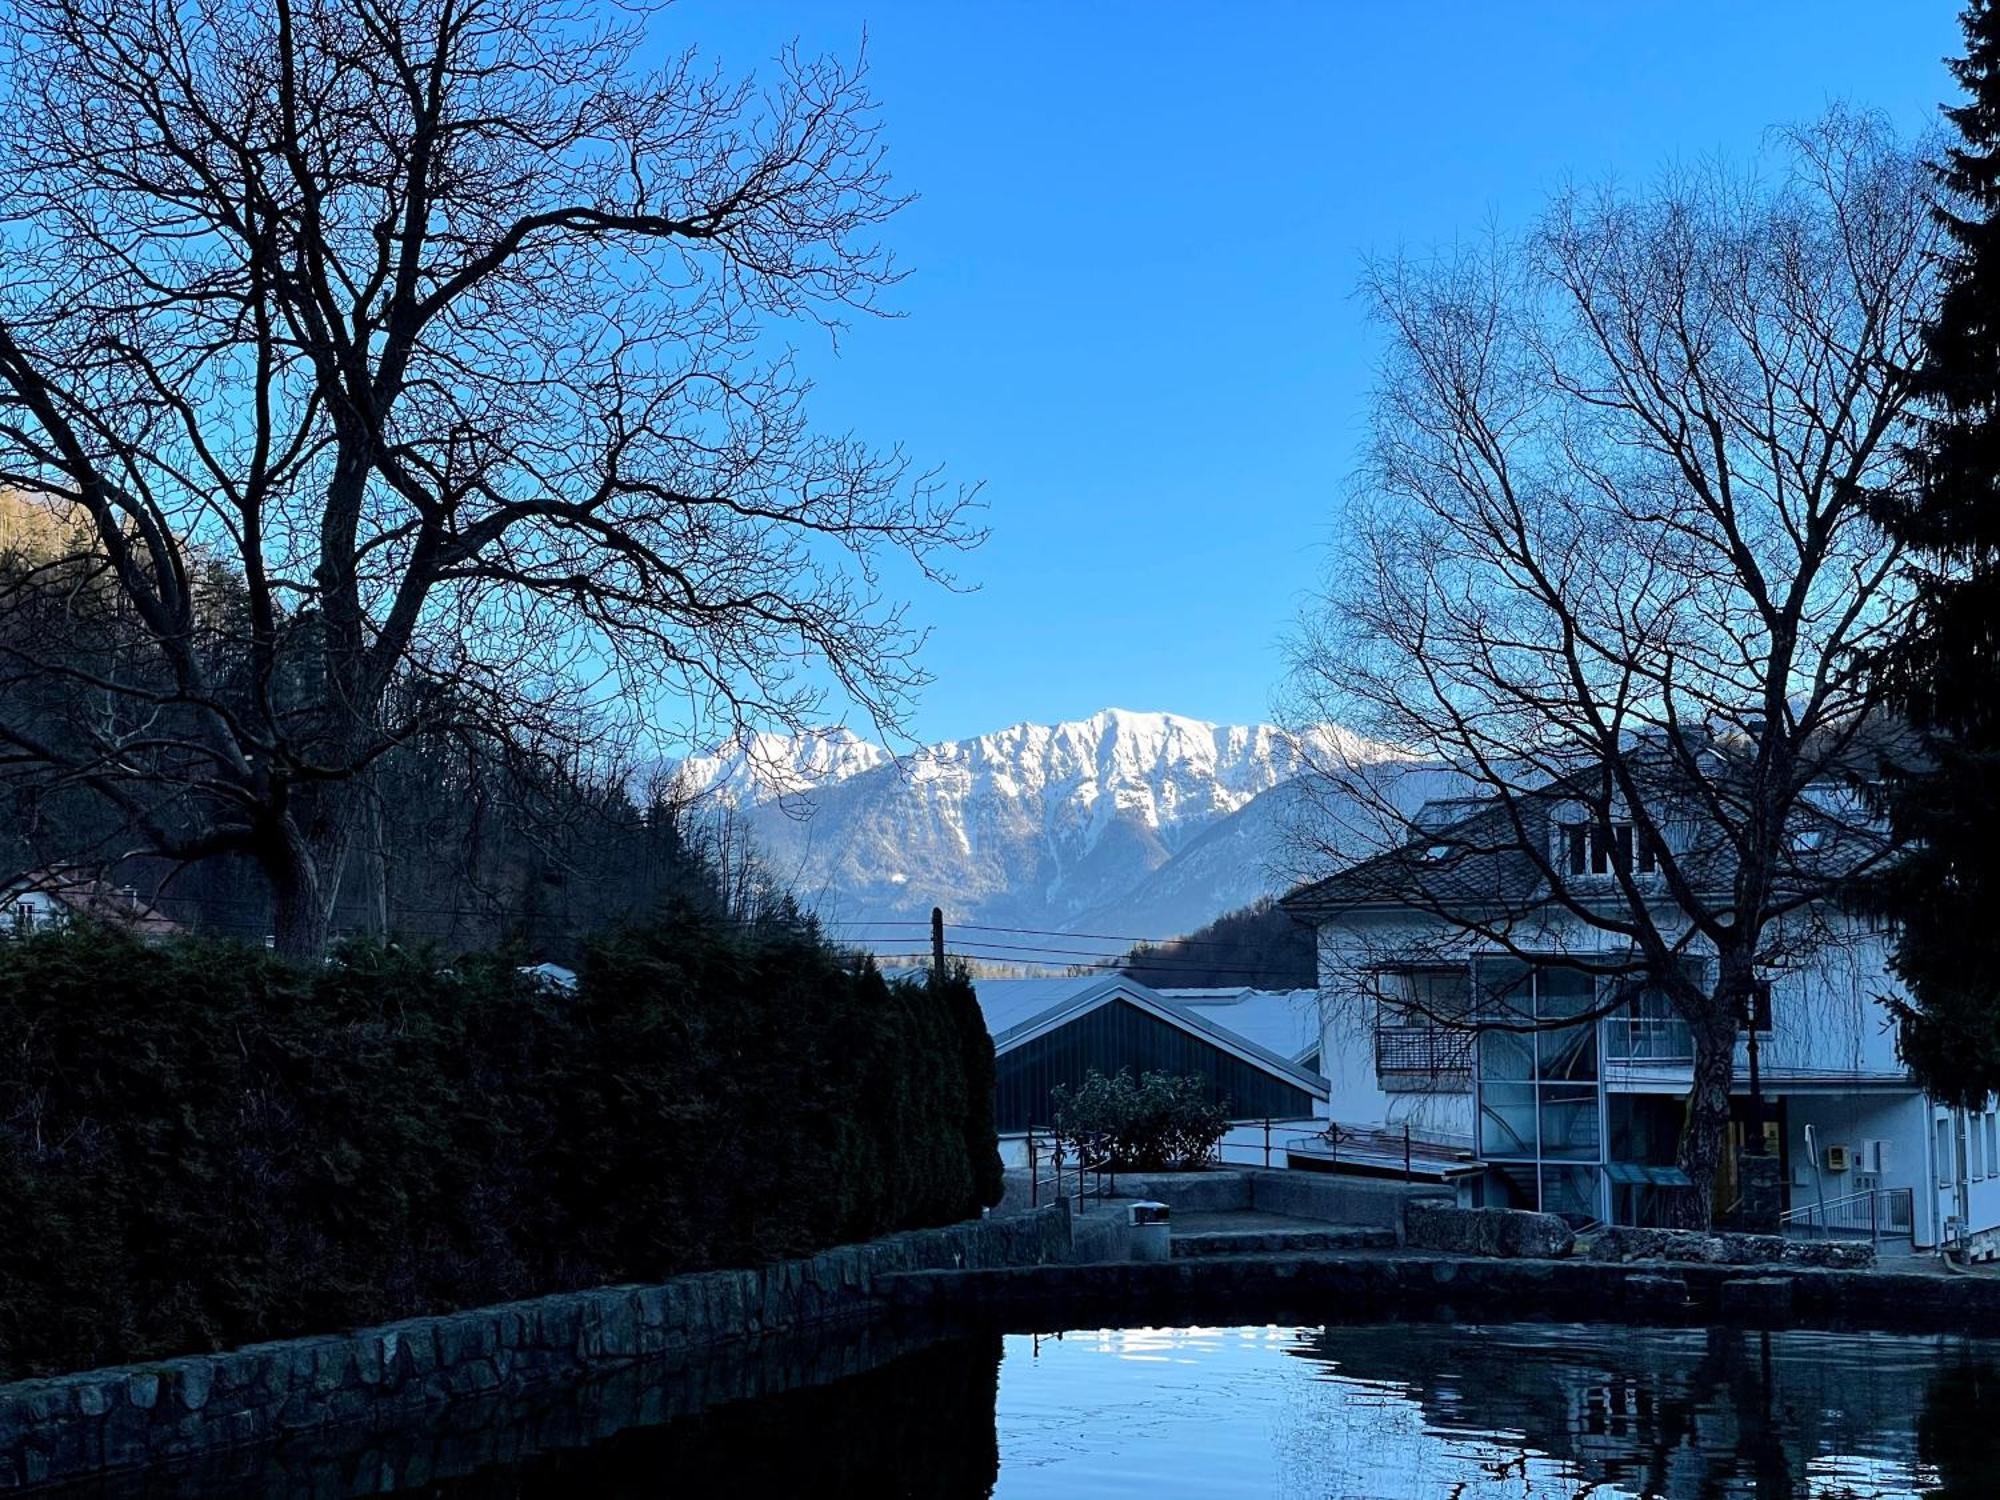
x,y
1340,1199
1729,1249
1486,1231
71,1426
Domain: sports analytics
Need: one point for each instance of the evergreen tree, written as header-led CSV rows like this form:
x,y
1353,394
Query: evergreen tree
x,y
1944,675
1260,945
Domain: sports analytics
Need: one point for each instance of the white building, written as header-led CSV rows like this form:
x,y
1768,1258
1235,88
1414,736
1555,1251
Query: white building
x,y
1584,1120
48,899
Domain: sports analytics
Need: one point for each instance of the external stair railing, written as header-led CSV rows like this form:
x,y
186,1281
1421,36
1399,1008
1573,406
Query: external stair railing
x,y
1873,1213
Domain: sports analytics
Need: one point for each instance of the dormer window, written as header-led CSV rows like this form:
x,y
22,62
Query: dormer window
x,y
1601,849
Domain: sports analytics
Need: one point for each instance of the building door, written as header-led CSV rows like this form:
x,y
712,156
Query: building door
x,y
1728,1186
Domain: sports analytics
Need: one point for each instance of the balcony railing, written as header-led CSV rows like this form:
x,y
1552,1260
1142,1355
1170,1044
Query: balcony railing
x,y
1648,1039
1440,1052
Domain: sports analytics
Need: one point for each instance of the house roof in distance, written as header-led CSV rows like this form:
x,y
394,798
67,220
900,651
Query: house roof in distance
x,y
1019,1010
85,893
1286,1022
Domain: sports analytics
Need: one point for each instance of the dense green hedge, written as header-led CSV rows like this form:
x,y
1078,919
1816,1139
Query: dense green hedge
x,y
201,1146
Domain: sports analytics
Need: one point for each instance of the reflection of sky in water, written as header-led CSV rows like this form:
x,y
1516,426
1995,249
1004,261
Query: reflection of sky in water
x,y
1517,1413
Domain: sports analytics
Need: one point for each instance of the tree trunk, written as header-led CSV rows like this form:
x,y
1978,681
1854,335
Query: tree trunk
x,y
304,869
1705,1130
301,922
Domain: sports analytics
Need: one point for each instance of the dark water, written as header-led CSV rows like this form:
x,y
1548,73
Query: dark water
x,y
1471,1412
1370,1411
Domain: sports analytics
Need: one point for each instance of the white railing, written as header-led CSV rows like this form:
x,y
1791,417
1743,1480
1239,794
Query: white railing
x,y
1648,1039
1874,1212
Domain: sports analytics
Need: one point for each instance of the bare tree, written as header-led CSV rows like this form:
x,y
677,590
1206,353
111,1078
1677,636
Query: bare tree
x,y
446,337
1609,580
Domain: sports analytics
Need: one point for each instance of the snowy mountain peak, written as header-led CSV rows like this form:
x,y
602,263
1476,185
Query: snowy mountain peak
x,y
763,766
1035,824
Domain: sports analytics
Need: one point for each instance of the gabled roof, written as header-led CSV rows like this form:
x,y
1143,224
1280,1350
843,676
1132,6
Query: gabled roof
x,y
1473,854
1019,1010
87,894
1284,1022
1475,861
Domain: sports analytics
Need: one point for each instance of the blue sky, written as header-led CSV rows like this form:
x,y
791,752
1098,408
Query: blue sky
x,y
1130,312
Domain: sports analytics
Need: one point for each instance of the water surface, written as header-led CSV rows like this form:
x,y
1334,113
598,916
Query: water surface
x,y
1473,1412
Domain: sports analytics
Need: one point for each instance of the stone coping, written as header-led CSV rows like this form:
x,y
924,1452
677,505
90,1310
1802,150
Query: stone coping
x,y
73,1426
1365,1286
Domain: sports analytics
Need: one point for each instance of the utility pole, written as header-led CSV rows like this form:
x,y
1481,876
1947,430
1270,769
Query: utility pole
x,y
937,942
1757,1015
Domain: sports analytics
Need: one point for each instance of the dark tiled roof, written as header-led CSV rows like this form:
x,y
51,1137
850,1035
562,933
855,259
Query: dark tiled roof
x,y
1478,862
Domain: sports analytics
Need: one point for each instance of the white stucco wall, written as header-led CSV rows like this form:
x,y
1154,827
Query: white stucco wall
x,y
1831,1053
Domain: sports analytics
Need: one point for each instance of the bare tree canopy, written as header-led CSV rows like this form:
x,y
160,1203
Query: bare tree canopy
x,y
1610,575
414,362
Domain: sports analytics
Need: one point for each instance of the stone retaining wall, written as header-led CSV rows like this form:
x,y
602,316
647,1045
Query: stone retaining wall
x,y
1486,1231
1728,1249
75,1425
1341,1199
1381,1286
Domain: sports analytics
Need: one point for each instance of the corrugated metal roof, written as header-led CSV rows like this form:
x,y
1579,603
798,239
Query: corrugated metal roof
x,y
1019,1008
1007,1004
1286,1022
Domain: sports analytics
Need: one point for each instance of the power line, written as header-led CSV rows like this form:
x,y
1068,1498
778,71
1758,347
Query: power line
x,y
1248,974
1108,937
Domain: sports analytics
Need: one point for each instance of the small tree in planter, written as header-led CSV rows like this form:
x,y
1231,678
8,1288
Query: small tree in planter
x,y
1160,1122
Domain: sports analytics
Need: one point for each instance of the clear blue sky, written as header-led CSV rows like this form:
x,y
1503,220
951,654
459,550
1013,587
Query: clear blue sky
x,y
1133,258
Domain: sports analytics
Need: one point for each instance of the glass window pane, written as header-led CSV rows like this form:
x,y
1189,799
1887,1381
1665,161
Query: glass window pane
x,y
1564,992
1569,1052
1571,1192
1506,1055
1569,1123
1507,1119
1425,997
1506,988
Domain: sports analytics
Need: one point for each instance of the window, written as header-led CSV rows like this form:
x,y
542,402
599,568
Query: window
x,y
1425,996
1975,1151
1944,1153
1602,848
1415,1034
1993,1141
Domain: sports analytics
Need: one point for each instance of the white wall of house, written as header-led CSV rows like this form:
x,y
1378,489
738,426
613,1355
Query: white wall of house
x,y
1964,1174
1898,1120
31,909
1357,1095
1831,1052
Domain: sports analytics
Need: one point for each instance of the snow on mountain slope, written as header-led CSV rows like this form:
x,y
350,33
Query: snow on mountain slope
x,y
1032,826
776,765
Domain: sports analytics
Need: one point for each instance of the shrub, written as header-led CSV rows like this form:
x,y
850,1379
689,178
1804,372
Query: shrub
x,y
1159,1123
202,1146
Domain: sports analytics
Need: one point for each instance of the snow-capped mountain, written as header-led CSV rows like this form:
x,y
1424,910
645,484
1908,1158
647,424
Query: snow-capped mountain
x,y
1059,827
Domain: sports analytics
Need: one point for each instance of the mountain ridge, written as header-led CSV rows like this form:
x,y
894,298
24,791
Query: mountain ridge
x,y
1056,827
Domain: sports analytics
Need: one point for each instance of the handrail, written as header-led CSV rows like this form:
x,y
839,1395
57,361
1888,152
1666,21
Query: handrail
x,y
1811,1210
1870,1211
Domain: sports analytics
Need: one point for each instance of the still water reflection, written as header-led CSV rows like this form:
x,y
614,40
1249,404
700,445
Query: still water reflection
x,y
1526,1412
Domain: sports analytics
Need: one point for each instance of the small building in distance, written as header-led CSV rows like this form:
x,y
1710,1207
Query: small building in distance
x,y
53,897
1053,1032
